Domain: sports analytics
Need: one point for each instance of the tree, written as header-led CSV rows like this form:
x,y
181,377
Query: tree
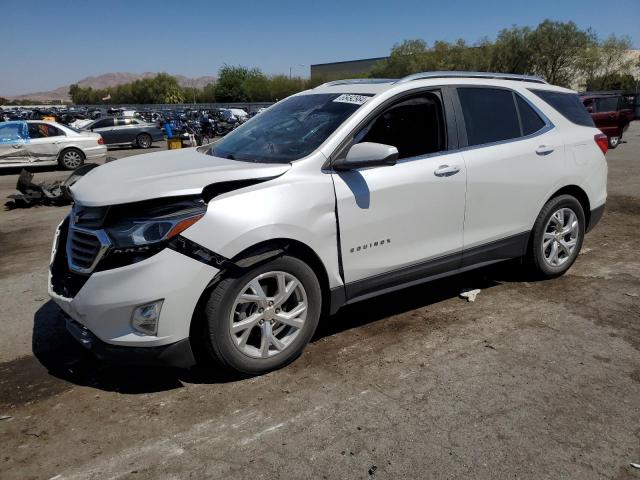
x,y
511,52
229,87
615,81
406,58
607,64
558,50
257,86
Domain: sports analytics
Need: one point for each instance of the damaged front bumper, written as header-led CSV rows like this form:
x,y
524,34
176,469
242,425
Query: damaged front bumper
x,y
100,306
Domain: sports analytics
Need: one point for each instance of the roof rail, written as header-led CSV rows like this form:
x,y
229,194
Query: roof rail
x,y
457,74
357,80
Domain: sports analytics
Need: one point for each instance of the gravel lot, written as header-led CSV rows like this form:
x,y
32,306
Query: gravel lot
x,y
537,380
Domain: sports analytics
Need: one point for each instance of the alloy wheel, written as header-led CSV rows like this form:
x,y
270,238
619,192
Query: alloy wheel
x,y
560,237
268,314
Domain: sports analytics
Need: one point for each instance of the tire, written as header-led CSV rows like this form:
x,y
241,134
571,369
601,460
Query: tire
x,y
234,301
548,243
144,140
614,142
71,158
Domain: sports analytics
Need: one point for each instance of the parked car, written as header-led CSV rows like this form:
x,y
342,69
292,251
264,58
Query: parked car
x,y
31,142
119,131
611,113
332,196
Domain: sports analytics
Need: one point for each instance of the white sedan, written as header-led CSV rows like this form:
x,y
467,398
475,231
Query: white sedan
x,y
38,142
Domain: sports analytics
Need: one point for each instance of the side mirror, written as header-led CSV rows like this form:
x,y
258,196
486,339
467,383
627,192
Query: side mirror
x,y
367,154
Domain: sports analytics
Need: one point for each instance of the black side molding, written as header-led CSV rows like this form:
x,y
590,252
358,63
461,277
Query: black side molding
x,y
513,246
594,218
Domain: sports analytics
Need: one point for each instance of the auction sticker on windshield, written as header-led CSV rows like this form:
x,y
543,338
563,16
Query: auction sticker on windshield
x,y
351,98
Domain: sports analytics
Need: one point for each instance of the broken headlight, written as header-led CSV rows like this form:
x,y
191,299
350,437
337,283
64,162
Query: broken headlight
x,y
150,225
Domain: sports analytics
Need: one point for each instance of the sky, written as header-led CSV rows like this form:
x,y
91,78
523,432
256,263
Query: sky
x,y
49,44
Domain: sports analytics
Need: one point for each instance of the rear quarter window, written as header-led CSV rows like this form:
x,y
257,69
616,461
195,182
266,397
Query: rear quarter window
x,y
568,105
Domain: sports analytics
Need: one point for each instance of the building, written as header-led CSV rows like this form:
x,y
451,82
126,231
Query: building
x,y
348,69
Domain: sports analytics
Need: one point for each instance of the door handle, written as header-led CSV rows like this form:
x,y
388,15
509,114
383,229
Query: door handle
x,y
446,170
544,150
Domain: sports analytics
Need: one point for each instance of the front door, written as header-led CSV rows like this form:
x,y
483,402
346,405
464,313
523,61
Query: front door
x,y
14,137
404,222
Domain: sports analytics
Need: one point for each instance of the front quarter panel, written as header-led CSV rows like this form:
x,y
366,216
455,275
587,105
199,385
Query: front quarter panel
x,y
299,205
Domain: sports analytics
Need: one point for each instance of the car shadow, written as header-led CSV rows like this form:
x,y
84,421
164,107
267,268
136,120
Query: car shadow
x,y
67,360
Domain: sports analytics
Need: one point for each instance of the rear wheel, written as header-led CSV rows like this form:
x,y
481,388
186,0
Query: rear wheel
x,y
614,141
262,319
557,236
144,140
71,159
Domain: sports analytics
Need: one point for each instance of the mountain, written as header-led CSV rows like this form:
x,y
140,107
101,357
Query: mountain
x,y
108,80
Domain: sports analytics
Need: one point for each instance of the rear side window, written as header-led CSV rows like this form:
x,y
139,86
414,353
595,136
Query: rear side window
x,y
531,121
607,104
490,115
105,122
569,106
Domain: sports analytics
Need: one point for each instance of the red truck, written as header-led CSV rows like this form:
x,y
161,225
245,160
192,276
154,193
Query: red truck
x,y
611,112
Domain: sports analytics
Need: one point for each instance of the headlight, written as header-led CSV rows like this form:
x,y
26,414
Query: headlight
x,y
153,224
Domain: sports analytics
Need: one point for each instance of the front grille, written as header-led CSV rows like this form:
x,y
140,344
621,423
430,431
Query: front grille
x,y
83,248
63,281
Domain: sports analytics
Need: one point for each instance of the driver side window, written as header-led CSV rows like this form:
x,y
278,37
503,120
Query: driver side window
x,y
415,126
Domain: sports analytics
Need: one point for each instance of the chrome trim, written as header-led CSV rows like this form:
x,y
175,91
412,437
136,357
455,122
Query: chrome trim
x,y
457,74
102,237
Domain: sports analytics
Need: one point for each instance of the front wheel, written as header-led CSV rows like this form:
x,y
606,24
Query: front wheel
x,y
557,236
261,319
614,141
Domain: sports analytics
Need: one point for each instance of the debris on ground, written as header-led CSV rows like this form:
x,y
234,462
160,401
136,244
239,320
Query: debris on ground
x,y
630,294
585,250
31,194
635,465
54,193
373,469
470,295
5,417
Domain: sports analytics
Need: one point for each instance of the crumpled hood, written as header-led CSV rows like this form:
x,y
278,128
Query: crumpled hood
x,y
163,174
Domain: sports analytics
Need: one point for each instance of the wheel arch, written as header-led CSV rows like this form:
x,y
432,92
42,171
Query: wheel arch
x,y
580,195
259,253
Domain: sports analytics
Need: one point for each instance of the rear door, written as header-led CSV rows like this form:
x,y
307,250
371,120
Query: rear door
x,y
606,115
46,141
14,137
126,130
105,127
513,155
404,222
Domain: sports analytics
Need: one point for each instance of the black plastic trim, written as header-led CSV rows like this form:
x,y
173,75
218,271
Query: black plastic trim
x,y
513,246
178,354
594,218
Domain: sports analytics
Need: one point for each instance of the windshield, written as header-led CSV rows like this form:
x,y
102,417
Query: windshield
x,y
290,129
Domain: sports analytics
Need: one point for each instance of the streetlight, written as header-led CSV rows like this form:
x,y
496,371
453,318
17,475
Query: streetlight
x,y
297,65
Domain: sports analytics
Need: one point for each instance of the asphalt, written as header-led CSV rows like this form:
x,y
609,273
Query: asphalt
x,y
534,380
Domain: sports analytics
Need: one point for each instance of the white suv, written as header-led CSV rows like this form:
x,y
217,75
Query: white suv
x,y
334,195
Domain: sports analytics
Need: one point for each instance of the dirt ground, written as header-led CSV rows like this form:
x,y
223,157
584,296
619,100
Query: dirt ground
x,y
536,380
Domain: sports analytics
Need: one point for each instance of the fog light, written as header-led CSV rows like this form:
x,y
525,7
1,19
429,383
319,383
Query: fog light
x,y
145,318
